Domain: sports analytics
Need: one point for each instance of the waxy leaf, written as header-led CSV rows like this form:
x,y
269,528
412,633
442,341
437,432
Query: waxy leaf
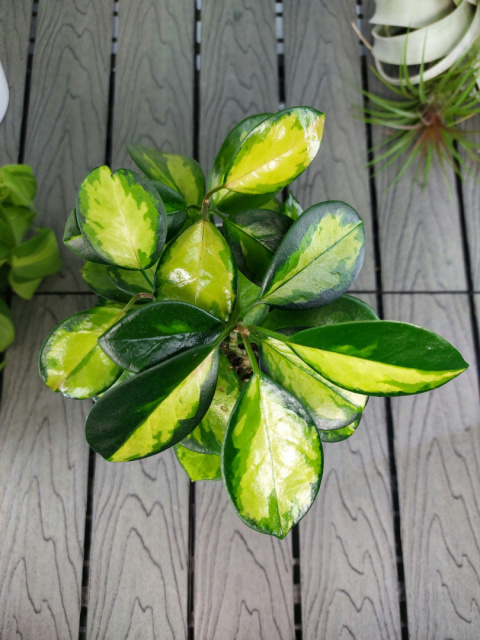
x,y
155,409
209,435
7,330
343,309
122,218
254,236
338,435
175,207
198,268
157,332
74,240
17,184
248,292
199,466
276,151
133,282
272,458
177,172
380,358
97,278
292,208
330,406
318,259
71,360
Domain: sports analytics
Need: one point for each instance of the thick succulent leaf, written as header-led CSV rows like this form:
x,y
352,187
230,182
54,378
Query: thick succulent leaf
x,y
198,268
157,332
74,240
343,309
272,458
71,360
199,466
17,184
133,282
175,222
248,292
122,217
123,377
276,151
330,406
7,329
380,358
254,236
318,259
209,435
24,289
177,172
175,207
338,435
18,219
155,409
292,208
36,258
97,278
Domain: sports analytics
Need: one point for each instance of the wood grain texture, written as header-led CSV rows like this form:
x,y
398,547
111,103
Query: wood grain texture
x,y
348,569
154,77
471,199
239,74
437,450
67,121
15,20
43,486
322,70
420,233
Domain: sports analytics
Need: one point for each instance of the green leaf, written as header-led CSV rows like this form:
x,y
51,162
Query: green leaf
x,y
177,172
254,236
248,292
36,258
122,218
157,332
24,289
276,151
19,220
71,360
17,184
318,259
272,458
175,206
198,268
343,309
338,435
330,406
209,435
7,330
155,409
199,466
133,282
74,240
293,209
380,358
97,278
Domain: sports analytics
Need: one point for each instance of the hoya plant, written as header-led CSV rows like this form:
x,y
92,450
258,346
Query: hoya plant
x,y
230,341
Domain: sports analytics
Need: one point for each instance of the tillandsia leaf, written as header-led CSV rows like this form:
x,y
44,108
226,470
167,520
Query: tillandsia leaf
x,y
157,332
155,409
181,174
410,13
71,360
7,330
122,218
36,258
17,184
330,406
199,466
272,458
209,435
318,259
74,240
18,219
380,358
292,208
198,268
343,309
133,282
254,236
276,151
338,435
248,292
97,278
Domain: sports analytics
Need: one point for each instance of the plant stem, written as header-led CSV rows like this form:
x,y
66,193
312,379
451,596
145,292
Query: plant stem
x,y
249,350
270,334
135,299
246,309
224,334
147,278
206,201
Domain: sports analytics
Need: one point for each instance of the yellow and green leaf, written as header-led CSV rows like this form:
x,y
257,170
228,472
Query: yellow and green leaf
x,y
7,330
248,292
133,282
198,268
156,409
292,208
338,435
18,185
272,458
96,276
199,466
18,219
74,240
36,258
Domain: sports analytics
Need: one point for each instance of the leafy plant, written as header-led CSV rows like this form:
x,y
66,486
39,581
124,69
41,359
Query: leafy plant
x,y
243,378
23,263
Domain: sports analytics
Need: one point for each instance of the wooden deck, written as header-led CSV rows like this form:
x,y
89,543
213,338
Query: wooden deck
x,y
391,548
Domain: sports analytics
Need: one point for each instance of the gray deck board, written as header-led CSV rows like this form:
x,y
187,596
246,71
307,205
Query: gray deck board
x,y
43,486
322,71
471,199
437,451
67,124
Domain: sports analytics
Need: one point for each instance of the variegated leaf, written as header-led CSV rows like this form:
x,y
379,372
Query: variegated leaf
x,y
199,466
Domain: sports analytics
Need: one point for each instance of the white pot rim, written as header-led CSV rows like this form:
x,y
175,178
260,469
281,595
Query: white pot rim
x,y
4,93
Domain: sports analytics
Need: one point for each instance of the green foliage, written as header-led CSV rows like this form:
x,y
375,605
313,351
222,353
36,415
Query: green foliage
x,y
245,354
23,262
